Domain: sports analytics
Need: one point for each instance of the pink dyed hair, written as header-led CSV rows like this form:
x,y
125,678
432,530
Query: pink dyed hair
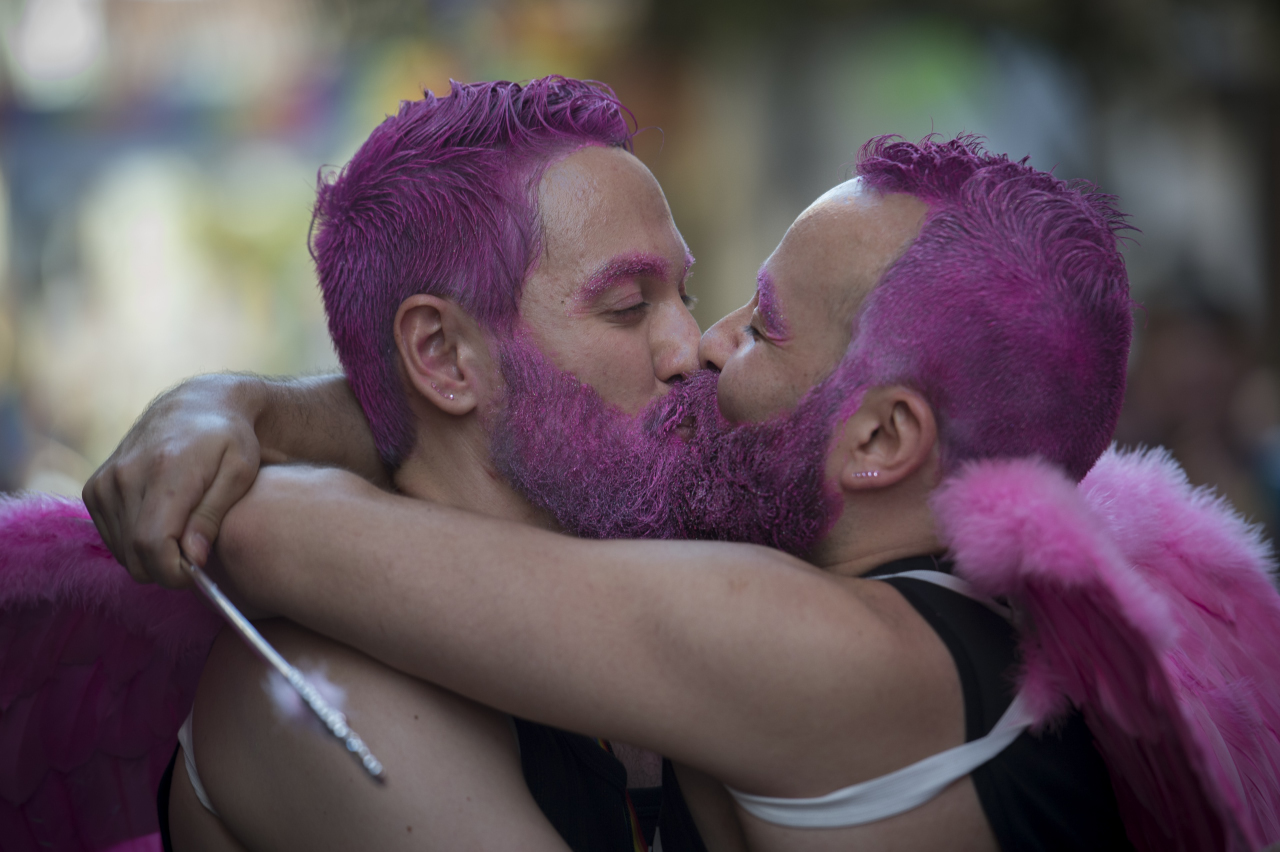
x,y
1010,312
441,199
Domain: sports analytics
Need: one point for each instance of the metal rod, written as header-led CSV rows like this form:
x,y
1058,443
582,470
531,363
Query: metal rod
x,y
332,718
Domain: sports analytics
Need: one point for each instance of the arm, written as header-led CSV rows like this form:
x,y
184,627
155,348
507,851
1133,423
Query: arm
x,y
196,451
703,651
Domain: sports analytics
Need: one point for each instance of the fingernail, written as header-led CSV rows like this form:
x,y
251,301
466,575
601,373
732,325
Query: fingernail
x,y
199,548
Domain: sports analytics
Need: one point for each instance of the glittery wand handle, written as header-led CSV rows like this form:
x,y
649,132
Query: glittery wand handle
x,y
332,718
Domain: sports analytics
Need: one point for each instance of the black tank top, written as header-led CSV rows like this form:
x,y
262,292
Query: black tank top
x,y
1049,791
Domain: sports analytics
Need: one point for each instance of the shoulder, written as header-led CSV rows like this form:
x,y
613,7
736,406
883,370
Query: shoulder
x,y
878,689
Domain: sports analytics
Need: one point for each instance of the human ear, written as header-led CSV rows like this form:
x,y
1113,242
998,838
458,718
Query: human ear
x,y
891,437
443,353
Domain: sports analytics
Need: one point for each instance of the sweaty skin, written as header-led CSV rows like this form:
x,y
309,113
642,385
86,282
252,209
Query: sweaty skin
x,y
749,667
456,780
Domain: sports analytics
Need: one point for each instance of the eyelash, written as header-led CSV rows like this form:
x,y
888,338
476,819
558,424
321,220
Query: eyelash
x,y
630,313
690,302
753,332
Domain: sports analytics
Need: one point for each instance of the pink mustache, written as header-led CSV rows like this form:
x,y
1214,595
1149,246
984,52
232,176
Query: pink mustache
x,y
678,470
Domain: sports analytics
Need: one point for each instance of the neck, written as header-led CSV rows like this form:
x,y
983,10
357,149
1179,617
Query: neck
x,y
874,528
450,465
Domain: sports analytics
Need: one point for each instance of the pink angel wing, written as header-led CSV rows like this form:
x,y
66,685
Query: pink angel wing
x,y
1218,576
96,675
1157,675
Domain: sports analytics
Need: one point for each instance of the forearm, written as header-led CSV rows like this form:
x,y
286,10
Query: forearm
x,y
315,419
404,580
197,450
648,642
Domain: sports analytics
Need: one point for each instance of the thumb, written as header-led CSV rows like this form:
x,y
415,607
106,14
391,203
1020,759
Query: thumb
x,y
206,519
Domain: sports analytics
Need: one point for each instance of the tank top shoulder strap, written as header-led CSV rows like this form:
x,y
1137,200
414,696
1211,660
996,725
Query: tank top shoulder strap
x,y
913,785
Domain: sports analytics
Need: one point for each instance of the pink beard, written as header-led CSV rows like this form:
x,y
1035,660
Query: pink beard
x,y
603,474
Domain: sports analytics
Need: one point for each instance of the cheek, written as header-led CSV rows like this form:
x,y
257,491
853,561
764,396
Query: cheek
x,y
729,398
739,392
619,367
751,390
620,371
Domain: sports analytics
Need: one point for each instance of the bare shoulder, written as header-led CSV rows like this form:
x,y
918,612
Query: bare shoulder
x,y
279,782
878,687
192,827
815,636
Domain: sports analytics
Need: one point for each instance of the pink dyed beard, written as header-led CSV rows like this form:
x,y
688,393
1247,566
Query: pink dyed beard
x,y
603,474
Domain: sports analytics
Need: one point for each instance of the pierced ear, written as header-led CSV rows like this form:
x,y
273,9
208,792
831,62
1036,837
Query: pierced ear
x,y
439,346
891,436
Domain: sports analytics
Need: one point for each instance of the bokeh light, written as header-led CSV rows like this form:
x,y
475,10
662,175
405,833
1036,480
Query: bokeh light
x,y
158,160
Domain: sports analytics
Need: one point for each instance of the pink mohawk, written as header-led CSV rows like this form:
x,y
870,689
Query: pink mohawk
x,y
1010,312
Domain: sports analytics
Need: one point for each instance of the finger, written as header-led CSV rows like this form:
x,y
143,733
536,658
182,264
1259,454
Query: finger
x,y
157,556
94,504
112,514
103,532
232,482
131,489
169,497
161,515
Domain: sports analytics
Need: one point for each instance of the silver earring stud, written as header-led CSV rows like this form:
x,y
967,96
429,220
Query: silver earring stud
x,y
867,473
450,396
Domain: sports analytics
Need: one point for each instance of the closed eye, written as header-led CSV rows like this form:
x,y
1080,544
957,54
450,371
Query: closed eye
x,y
630,314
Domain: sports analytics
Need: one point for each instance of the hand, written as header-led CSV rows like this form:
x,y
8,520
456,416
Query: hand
x,y
173,478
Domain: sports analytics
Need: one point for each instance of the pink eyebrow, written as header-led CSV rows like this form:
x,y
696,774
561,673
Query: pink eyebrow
x,y
621,269
767,304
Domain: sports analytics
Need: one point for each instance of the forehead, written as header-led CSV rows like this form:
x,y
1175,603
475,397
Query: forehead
x,y
836,251
598,205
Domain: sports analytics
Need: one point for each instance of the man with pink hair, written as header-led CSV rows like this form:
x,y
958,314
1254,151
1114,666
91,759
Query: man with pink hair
x,y
459,218
944,308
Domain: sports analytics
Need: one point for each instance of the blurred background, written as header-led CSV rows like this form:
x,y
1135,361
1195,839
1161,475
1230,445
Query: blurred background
x,y
158,162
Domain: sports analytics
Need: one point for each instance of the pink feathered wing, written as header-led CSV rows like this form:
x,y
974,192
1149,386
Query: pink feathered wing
x,y
96,675
1150,605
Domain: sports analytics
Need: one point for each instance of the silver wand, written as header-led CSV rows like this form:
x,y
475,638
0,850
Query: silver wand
x,y
331,717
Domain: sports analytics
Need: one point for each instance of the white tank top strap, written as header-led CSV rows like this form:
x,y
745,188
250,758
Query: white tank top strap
x,y
959,585
189,758
906,788
896,792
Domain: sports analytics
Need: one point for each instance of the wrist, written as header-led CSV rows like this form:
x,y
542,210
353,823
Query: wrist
x,y
316,420
239,394
284,416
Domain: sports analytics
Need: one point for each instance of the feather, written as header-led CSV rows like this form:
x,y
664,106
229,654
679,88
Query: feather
x,y
1149,605
96,675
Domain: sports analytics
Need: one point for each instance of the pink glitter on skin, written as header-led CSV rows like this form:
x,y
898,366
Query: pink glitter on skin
x,y
619,271
625,269
775,324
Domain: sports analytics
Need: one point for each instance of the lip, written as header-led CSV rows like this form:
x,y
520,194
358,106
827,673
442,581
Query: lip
x,y
686,427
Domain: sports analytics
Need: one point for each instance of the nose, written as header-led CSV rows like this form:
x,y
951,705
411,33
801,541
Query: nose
x,y
721,340
675,345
